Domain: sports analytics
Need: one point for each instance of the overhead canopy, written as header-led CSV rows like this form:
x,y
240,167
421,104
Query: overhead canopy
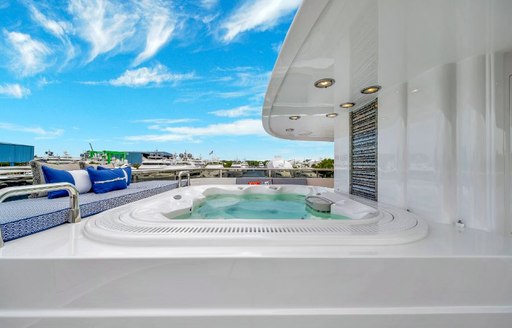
x,y
360,43
318,46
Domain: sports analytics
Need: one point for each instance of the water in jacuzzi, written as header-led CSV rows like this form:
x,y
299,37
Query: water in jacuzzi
x,y
257,207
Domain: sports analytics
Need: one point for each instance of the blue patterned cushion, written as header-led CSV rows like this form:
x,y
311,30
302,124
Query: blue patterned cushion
x,y
25,217
107,180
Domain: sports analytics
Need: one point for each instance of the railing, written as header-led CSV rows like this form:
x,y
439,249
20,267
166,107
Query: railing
x,y
12,176
74,215
180,175
169,173
15,175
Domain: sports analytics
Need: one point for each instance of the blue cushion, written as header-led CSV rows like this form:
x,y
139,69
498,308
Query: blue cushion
x,y
54,176
127,169
106,180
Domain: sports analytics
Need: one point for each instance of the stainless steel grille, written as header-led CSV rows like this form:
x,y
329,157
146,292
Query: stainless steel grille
x,y
363,178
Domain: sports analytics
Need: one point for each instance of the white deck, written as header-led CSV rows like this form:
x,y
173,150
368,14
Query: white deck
x,y
61,278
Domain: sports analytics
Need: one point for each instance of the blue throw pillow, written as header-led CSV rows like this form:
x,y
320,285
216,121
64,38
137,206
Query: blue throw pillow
x,y
106,180
54,176
127,170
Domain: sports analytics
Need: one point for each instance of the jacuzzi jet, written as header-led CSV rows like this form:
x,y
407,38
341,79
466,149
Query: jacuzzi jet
x,y
319,204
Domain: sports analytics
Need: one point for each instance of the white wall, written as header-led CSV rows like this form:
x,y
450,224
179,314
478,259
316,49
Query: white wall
x,y
342,153
471,141
392,141
444,143
430,147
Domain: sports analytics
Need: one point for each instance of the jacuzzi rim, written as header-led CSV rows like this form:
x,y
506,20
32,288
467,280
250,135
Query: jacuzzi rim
x,y
118,226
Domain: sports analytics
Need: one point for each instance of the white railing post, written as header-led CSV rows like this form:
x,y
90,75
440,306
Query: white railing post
x,y
180,175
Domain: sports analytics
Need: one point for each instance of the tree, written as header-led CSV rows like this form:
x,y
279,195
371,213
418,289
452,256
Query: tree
x,y
326,163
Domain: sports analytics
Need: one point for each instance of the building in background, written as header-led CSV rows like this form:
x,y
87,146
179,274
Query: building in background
x,y
12,154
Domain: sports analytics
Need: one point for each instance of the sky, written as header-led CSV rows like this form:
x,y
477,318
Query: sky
x,y
143,75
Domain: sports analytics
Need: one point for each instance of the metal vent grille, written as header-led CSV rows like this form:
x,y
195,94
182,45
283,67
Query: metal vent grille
x,y
388,224
363,178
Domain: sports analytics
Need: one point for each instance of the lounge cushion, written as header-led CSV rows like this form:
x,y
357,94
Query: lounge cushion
x,y
107,180
127,172
79,178
38,176
55,176
82,180
25,217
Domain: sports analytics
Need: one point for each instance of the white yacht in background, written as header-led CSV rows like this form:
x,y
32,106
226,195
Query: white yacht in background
x,y
415,96
183,161
155,162
214,163
279,163
240,165
52,158
213,168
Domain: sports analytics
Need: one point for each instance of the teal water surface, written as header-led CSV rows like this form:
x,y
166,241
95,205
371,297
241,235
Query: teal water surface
x,y
256,207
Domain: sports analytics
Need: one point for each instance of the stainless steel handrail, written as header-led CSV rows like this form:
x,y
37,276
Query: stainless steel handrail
x,y
74,215
180,175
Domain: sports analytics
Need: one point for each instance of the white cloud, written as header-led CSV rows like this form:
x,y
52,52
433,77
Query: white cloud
x,y
208,4
146,76
245,81
237,112
43,81
124,26
166,120
237,128
40,132
160,27
28,55
57,28
258,15
104,24
14,90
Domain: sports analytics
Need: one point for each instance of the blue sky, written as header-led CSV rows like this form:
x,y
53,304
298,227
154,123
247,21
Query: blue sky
x,y
143,75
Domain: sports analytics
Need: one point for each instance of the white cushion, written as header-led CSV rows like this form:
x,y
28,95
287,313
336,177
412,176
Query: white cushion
x,y
82,180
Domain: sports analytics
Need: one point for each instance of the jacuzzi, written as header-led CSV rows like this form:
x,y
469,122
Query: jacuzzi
x,y
153,221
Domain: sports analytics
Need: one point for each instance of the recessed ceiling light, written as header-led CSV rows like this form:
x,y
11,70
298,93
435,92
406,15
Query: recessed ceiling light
x,y
324,83
371,89
331,115
294,117
290,130
347,105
